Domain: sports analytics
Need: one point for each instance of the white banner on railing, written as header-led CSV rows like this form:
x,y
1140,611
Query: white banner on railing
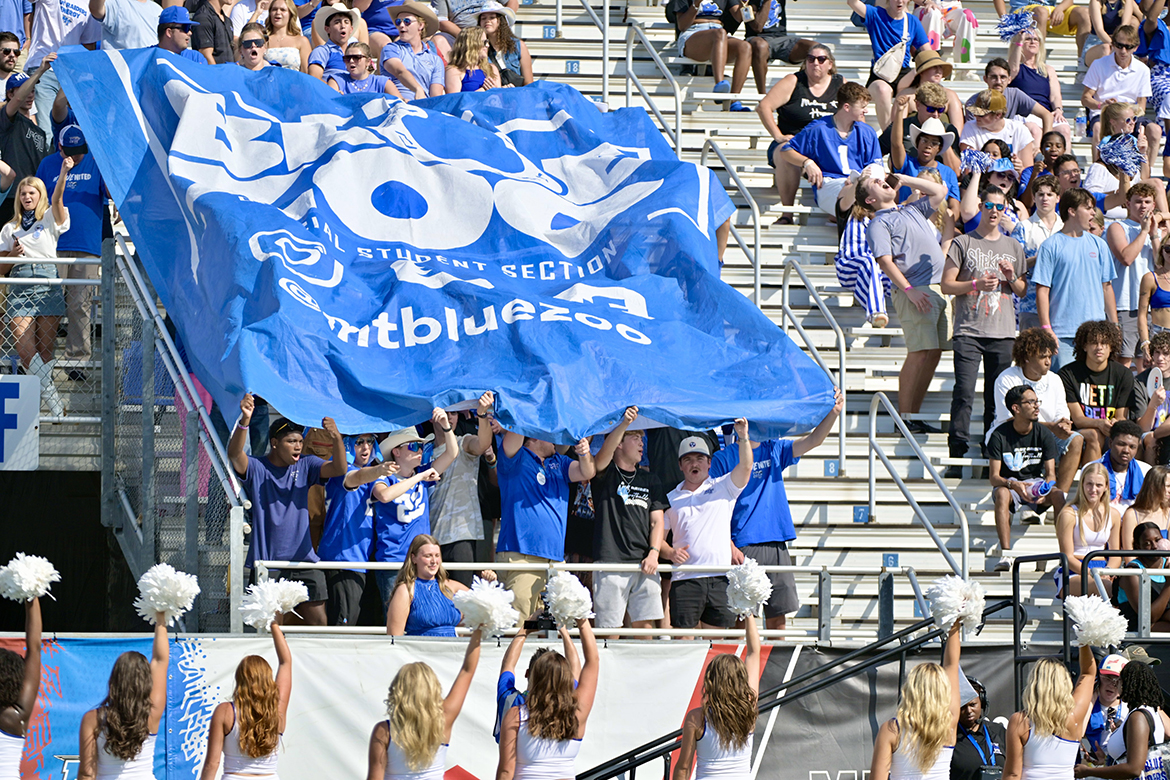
x,y
20,411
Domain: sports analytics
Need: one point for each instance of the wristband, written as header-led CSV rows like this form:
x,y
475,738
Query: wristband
x,y
908,288
804,164
241,427
481,416
974,288
444,430
1046,327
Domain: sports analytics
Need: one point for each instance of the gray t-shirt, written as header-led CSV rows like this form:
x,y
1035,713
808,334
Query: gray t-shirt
x,y
974,256
905,233
1019,104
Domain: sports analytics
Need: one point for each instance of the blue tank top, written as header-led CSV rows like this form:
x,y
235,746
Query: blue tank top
x,y
1160,299
1033,84
473,80
307,22
431,612
377,16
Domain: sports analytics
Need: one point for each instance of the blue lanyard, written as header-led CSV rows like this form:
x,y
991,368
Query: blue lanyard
x,y
987,739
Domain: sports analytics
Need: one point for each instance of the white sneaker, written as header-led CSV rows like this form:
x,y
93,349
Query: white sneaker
x,y
1004,564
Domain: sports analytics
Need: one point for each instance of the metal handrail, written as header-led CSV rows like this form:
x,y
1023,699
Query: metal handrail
x,y
1019,617
710,145
602,25
790,265
876,449
1143,605
634,30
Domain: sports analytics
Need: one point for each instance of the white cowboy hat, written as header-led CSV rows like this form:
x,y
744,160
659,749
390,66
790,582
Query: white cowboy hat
x,y
932,126
493,7
325,13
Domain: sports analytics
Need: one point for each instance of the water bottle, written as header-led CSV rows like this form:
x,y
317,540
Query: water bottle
x,y
1038,488
1082,124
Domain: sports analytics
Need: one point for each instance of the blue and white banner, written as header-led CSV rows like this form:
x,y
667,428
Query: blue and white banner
x,y
369,259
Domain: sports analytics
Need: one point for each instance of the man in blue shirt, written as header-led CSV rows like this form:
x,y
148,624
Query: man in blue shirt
x,y
85,197
413,65
534,499
831,148
761,522
174,33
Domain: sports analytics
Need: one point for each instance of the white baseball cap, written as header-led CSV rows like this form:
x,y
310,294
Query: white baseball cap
x,y
693,444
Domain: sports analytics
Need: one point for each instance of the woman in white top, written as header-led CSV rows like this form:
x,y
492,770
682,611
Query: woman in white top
x,y
919,742
36,310
1128,748
540,739
717,735
1152,505
287,46
1089,522
247,729
117,739
411,744
1043,739
20,680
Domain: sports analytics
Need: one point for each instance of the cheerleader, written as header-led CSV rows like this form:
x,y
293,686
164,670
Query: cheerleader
x,y
20,680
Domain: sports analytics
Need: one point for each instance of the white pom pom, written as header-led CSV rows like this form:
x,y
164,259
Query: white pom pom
x,y
952,598
27,577
747,588
163,589
568,600
265,599
1095,622
487,606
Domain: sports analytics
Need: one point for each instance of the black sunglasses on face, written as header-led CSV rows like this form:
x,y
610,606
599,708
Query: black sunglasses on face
x,y
252,43
10,52
354,57
818,59
183,27
1124,46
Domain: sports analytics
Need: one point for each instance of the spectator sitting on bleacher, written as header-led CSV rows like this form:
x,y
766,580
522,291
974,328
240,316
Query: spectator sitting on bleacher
x,y
931,141
359,76
1146,537
907,248
930,102
948,19
798,99
1098,389
335,24
1129,240
983,269
1152,413
412,64
1105,17
1032,233
1126,472
1152,506
701,38
1051,17
278,486
1125,79
1022,454
1089,523
858,270
469,69
892,31
1154,50
990,123
1052,146
1033,77
1021,107
767,33
930,68
1033,352
288,47
831,148
174,33
1074,279
505,49
251,47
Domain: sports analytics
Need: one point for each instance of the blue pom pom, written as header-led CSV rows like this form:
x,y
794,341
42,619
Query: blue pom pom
x,y
972,160
1122,151
1011,25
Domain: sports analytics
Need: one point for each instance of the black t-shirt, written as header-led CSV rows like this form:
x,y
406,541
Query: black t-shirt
x,y
1100,393
967,758
623,501
22,145
662,451
1022,455
214,32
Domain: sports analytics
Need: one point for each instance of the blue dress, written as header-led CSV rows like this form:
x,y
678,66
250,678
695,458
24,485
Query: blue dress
x,y
431,612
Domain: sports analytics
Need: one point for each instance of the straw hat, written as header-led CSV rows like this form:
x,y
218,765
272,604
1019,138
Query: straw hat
x,y
422,11
926,59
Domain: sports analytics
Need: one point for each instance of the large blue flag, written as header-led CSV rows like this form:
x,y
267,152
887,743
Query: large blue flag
x,y
368,259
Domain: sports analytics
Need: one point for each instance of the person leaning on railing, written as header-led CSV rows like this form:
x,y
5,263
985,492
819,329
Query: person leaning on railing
x,y
1146,536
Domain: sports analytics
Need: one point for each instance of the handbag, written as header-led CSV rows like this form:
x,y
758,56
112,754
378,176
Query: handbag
x,y
1155,768
889,65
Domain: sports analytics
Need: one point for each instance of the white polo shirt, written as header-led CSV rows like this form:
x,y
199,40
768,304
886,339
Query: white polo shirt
x,y
1109,81
701,521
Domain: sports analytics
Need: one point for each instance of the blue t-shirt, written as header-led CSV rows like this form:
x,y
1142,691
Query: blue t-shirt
x,y
349,521
397,523
426,67
1074,269
761,512
348,86
84,196
377,16
534,503
884,32
280,508
911,168
328,56
837,157
1156,48
12,13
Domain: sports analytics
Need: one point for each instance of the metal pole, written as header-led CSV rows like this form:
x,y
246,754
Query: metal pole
x,y
885,604
604,51
559,34
236,566
109,382
825,607
191,490
148,388
629,62
872,461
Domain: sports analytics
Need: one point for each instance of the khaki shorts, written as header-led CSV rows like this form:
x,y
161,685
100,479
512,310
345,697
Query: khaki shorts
x,y
527,585
923,331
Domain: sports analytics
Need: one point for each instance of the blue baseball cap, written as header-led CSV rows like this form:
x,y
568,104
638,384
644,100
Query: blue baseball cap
x,y
72,140
175,14
14,81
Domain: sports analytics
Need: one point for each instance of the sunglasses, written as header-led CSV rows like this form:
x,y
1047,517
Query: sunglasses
x,y
934,109
404,21
368,441
354,57
252,43
10,52
181,27
1124,46
414,446
996,206
818,59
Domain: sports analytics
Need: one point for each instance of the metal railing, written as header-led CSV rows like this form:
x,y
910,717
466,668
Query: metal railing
x,y
602,24
709,145
634,33
1020,617
875,449
824,631
790,265
1143,574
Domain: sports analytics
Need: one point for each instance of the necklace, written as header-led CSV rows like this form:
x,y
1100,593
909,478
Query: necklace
x,y
623,490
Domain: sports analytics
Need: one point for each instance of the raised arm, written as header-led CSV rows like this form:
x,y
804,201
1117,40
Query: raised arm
x,y
743,470
455,697
284,663
159,663
752,658
60,213
515,648
897,132
97,9
587,683
810,442
570,651
483,433
951,666
239,437
336,465
969,205
30,685
368,474
445,428
1078,719
582,469
605,456
512,444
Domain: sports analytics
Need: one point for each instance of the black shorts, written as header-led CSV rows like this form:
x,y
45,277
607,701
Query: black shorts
x,y
700,599
779,46
874,77
345,597
784,599
314,580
